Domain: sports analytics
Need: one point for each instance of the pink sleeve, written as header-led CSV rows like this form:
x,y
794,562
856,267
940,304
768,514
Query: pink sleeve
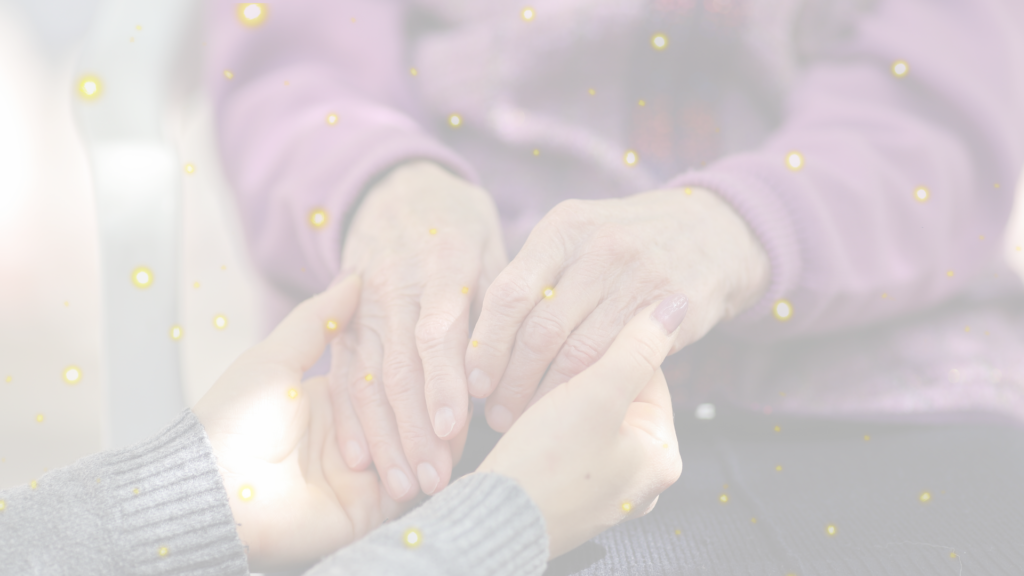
x,y
848,240
307,60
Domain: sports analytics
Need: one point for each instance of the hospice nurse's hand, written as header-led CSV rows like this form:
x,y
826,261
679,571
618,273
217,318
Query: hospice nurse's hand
x,y
293,498
427,245
601,447
587,268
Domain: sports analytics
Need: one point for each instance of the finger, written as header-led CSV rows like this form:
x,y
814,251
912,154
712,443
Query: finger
x,y
612,383
458,444
377,418
527,280
650,416
586,345
441,336
299,340
542,334
347,429
427,454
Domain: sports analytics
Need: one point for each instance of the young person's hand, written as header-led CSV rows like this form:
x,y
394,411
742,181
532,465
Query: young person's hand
x,y
601,447
587,268
292,495
427,245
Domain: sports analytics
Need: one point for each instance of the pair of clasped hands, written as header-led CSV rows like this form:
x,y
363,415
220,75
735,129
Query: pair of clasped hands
x,y
567,347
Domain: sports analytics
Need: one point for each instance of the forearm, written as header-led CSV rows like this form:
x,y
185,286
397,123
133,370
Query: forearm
x,y
155,508
483,524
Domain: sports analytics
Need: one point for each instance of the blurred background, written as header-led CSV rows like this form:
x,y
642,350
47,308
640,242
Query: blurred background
x,y
74,378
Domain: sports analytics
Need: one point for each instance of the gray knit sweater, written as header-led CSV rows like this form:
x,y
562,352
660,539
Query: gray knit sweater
x,y
160,508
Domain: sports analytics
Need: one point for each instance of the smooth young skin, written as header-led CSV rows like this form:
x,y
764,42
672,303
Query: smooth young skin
x,y
601,447
305,501
419,238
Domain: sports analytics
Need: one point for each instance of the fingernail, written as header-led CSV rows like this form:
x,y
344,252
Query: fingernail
x,y
479,383
428,477
671,312
499,418
353,453
398,482
444,422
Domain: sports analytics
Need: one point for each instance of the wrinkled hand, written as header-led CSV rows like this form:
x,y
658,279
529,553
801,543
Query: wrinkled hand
x,y
587,268
292,495
600,448
427,245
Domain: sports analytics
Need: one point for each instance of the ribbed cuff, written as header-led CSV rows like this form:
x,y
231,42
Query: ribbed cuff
x,y
480,525
167,508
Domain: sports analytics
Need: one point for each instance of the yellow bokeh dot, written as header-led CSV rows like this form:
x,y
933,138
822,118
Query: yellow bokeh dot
x,y
782,310
678,532
659,41
72,374
293,393
135,492
246,493
921,194
176,332
413,71
455,121
196,284
688,191
627,507
368,377
549,293
528,14
33,484
591,91
630,158
925,496
220,322
252,14
3,505
331,325
9,378
642,103
867,438
536,152
952,554
39,418
412,538
318,218
778,468
332,119
89,87
949,273
163,551
474,343
830,530
794,160
142,277
753,520
900,68
723,498
229,74
778,429
189,169
432,231
465,289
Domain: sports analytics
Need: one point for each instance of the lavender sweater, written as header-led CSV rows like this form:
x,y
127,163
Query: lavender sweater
x,y
550,105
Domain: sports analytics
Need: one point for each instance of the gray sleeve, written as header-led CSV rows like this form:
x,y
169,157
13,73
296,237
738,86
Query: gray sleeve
x,y
481,525
155,508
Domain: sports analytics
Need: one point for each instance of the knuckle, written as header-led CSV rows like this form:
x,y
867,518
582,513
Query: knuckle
x,y
614,238
567,211
432,330
508,294
541,335
578,354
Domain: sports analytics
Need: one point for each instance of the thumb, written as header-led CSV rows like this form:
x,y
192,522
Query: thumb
x,y
613,382
299,340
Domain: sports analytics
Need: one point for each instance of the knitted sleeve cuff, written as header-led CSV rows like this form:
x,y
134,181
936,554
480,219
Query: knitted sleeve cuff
x,y
155,508
481,525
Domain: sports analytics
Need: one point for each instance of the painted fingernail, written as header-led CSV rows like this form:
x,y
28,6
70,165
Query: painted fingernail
x,y
444,422
479,383
398,482
353,454
428,477
671,312
499,418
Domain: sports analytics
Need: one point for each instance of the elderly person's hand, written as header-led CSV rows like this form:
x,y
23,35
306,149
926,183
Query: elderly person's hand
x,y
427,245
292,495
601,447
587,268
